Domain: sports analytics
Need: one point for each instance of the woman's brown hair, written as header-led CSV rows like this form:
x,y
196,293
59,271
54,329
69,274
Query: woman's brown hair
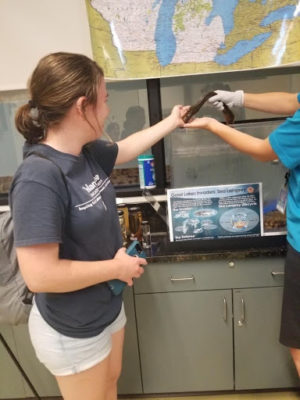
x,y
57,82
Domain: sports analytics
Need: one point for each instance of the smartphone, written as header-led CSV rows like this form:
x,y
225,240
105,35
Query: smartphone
x,y
134,250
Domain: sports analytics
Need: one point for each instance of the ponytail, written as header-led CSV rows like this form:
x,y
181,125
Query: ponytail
x,y
27,123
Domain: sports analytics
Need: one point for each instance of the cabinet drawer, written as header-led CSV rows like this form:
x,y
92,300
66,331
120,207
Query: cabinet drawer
x,y
211,274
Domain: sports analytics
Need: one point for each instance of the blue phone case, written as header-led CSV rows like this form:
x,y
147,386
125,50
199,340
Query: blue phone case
x,y
135,249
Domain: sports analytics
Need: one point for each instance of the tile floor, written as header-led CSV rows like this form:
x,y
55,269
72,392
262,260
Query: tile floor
x,y
288,395
279,395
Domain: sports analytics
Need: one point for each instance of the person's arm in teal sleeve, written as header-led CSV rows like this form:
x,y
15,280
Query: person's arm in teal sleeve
x,y
260,149
273,102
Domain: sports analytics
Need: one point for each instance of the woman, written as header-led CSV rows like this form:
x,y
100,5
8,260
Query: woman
x,y
66,224
283,143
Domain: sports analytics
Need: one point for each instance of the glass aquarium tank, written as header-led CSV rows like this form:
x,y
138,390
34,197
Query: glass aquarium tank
x,y
198,158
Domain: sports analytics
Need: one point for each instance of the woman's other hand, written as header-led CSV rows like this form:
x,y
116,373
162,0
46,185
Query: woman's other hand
x,y
130,267
178,113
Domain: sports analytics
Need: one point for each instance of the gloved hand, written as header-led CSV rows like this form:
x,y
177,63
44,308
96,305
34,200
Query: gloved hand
x,y
231,99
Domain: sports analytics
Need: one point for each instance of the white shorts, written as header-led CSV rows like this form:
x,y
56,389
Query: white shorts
x,y
64,355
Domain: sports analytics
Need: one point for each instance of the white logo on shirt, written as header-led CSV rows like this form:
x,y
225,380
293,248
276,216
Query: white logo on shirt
x,y
94,189
92,186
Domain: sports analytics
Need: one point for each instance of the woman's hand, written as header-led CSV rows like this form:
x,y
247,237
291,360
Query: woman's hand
x,y
177,114
130,267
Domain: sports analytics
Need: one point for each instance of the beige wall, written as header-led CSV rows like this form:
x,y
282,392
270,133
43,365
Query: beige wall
x,y
29,29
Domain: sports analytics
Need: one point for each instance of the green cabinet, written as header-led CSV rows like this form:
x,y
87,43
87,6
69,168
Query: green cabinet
x,y
212,325
42,380
185,341
260,361
130,381
11,382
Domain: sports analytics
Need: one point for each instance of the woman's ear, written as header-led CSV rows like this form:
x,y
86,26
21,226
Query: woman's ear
x,y
80,106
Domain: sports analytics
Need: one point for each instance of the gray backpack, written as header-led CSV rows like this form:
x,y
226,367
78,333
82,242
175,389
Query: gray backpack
x,y
15,298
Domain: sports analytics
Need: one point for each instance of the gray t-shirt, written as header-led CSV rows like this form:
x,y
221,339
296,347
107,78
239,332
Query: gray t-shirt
x,y
81,217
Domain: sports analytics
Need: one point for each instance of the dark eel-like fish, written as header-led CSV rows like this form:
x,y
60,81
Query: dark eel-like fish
x,y
228,114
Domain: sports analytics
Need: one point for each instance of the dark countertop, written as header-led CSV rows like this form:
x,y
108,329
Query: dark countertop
x,y
164,251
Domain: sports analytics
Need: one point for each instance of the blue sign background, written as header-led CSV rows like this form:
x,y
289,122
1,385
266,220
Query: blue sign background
x,y
214,212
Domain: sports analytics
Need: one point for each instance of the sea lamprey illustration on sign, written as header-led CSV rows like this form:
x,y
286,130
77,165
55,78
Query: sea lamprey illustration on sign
x,y
159,38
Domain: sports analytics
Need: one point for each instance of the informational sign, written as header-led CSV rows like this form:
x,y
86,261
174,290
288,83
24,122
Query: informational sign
x,y
161,38
215,212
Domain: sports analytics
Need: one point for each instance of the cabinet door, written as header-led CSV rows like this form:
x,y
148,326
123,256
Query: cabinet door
x,y
130,381
43,381
185,341
11,381
261,362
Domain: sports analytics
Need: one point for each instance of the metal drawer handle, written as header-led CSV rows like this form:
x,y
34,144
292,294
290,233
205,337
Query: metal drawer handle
x,y
277,273
225,309
190,278
241,321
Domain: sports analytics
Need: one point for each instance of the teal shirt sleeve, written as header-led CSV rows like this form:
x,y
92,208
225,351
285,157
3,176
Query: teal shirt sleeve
x,y
285,140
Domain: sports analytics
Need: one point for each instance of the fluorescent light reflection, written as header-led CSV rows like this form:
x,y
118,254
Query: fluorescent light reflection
x,y
116,42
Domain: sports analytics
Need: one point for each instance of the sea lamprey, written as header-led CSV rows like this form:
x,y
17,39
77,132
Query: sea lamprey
x,y
228,114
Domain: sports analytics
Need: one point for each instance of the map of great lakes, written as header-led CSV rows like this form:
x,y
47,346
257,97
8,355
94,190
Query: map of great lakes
x,y
159,38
